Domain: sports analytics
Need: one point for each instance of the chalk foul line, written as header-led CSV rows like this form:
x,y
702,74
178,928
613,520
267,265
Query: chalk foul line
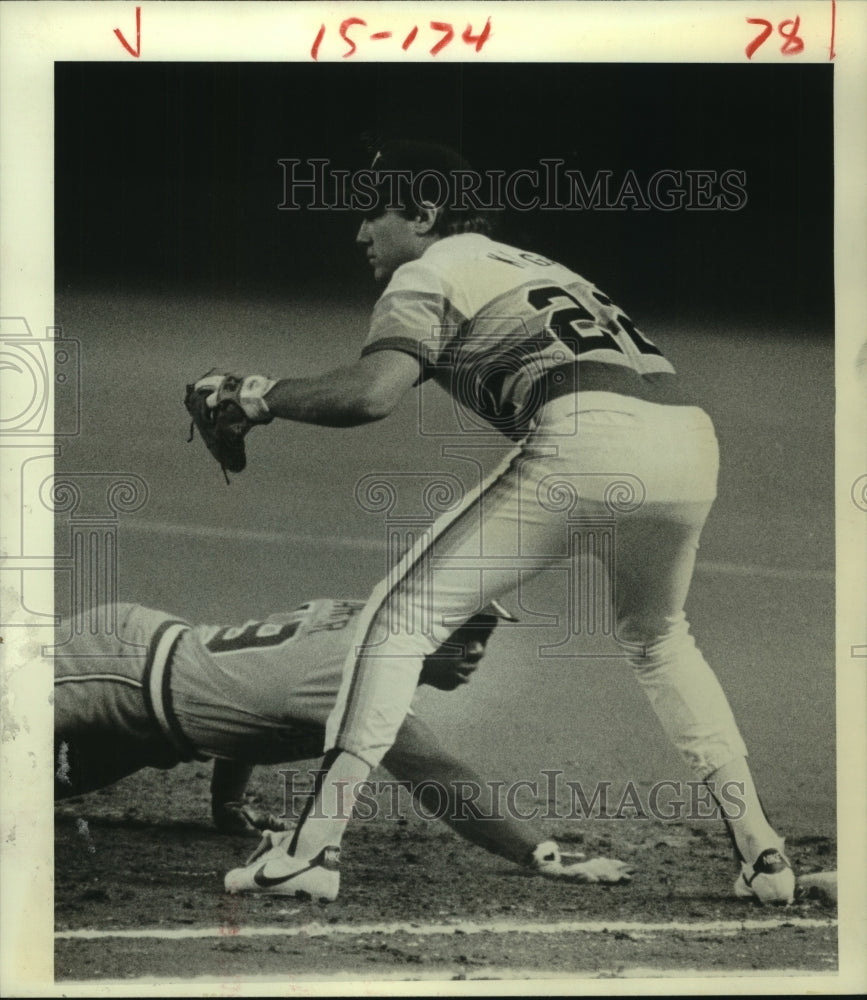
x,y
636,929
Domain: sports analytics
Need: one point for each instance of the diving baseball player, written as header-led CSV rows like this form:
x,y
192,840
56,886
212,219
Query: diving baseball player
x,y
149,690
595,410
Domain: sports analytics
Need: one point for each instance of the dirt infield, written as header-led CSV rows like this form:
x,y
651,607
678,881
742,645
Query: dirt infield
x,y
415,901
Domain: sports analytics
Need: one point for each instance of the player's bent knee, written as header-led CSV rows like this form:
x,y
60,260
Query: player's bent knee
x,y
650,642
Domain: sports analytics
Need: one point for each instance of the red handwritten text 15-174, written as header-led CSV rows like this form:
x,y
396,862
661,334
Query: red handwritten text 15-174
x,y
353,32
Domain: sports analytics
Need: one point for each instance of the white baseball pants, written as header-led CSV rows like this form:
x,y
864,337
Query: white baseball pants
x,y
595,458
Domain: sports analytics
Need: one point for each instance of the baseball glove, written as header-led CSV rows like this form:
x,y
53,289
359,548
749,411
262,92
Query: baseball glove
x,y
224,408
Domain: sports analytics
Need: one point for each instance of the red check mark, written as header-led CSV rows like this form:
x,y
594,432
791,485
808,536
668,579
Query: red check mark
x,y
135,52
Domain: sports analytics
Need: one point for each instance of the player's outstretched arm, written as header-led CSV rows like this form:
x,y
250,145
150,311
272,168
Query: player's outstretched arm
x,y
225,407
434,776
359,393
419,759
367,390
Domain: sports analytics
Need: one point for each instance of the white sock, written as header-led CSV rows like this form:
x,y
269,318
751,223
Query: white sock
x,y
734,788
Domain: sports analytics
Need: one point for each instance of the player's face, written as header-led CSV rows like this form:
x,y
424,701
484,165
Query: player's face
x,y
390,240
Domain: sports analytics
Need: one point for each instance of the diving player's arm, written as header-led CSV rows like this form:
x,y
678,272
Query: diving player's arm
x,y
474,811
229,780
231,811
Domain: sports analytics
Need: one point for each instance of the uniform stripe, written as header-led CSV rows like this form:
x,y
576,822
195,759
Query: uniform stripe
x,y
157,685
105,678
408,565
405,344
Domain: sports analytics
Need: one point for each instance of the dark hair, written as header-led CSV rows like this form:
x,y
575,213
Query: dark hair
x,y
460,206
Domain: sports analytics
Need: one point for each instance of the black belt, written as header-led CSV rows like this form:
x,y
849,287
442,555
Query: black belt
x,y
596,376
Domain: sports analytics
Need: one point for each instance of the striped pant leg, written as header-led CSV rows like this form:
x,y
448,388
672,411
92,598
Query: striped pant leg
x,y
470,559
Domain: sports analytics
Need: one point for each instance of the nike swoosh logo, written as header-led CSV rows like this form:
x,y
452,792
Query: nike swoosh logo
x,y
266,882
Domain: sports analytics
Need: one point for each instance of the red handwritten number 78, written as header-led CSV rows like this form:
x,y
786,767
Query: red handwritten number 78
x,y
792,45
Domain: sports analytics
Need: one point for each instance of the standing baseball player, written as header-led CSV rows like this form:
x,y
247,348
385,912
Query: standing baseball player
x,y
536,351
149,690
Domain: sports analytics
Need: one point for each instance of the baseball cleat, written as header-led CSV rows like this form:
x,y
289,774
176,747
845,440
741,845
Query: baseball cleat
x,y
271,871
548,860
769,879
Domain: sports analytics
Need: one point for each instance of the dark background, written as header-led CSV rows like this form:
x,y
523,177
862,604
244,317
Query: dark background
x,y
167,174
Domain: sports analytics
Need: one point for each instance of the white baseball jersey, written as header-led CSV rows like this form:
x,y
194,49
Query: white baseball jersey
x,y
487,321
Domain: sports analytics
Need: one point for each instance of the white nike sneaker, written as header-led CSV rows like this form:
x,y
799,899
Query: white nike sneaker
x,y
548,860
769,879
271,871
